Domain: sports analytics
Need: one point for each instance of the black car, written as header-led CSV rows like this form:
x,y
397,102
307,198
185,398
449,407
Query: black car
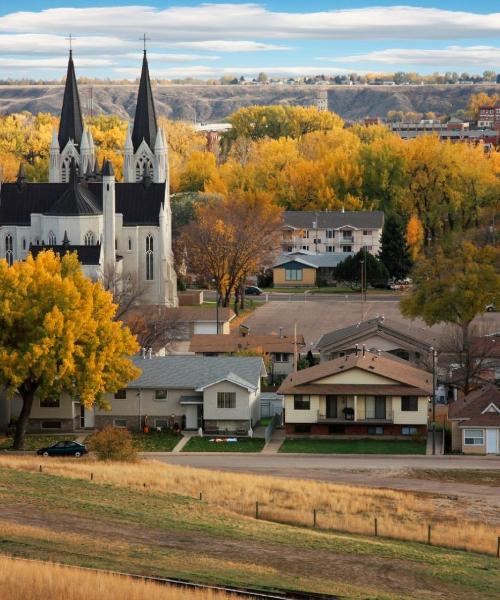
x,y
253,290
64,448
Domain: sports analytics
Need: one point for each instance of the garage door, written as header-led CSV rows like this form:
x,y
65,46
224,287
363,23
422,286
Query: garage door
x,y
206,328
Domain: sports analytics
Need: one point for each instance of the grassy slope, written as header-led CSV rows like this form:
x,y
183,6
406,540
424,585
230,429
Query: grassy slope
x,y
98,525
33,442
156,442
197,444
367,446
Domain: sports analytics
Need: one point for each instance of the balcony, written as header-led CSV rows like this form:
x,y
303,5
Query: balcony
x,y
322,418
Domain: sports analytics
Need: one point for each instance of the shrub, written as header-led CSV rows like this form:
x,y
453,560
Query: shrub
x,y
113,444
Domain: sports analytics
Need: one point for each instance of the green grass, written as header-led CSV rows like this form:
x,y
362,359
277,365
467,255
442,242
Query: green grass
x,y
141,531
264,422
156,442
197,444
33,442
364,446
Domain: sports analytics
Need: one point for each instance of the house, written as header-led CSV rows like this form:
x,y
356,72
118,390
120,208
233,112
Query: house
x,y
360,394
304,269
475,421
215,393
377,334
332,231
280,349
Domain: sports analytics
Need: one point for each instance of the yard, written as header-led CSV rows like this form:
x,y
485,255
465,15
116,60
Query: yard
x,y
33,442
207,444
156,442
363,446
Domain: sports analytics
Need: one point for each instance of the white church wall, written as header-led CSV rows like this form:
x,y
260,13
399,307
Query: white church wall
x,y
76,228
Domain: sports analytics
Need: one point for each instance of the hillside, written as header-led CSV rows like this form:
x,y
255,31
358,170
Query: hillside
x,y
213,103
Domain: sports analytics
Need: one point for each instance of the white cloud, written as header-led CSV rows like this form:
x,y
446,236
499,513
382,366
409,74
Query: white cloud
x,y
231,46
457,56
173,57
52,63
40,43
240,21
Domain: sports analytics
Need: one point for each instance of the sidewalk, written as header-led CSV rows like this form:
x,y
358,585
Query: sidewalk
x,y
439,443
275,442
186,436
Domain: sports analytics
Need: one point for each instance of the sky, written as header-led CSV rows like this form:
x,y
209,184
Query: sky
x,y
209,40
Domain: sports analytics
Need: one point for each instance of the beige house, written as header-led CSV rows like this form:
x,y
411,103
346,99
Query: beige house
x,y
475,421
361,394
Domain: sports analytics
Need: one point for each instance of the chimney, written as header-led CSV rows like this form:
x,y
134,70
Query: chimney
x,y
356,349
143,352
364,350
150,353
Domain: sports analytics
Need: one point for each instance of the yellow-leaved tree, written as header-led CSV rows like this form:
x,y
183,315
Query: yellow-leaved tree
x,y
58,335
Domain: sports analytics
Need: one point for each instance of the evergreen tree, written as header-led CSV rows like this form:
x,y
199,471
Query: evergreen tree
x,y
395,254
350,268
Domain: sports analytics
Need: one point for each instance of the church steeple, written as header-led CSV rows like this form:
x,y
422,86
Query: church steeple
x,y
145,125
71,126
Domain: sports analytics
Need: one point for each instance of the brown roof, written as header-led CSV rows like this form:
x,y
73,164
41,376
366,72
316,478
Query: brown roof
x,y
189,314
235,343
340,389
470,409
371,362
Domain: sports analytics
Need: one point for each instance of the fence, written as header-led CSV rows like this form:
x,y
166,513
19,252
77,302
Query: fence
x,y
275,421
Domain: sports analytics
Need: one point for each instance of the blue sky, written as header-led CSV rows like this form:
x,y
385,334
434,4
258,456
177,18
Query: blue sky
x,y
240,38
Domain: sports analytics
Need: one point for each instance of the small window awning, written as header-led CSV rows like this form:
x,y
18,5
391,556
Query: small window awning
x,y
191,400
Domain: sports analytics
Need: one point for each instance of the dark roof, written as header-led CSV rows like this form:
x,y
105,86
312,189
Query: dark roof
x,y
313,261
354,389
71,125
139,205
145,127
304,219
77,199
87,255
470,409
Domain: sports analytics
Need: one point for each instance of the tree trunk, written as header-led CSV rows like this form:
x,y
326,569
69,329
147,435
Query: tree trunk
x,y
242,298
236,302
27,394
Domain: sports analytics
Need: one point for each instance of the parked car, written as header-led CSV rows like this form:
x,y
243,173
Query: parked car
x,y
381,285
491,307
64,448
253,290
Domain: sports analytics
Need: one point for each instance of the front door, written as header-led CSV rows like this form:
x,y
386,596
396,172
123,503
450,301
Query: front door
x,y
191,416
331,407
492,441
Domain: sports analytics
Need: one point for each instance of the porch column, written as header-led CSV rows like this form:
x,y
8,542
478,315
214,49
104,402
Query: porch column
x,y
355,408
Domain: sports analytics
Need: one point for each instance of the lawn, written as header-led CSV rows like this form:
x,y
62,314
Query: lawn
x,y
146,530
156,442
33,442
364,446
198,444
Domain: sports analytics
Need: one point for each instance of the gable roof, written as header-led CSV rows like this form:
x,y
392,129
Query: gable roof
x,y
236,343
87,255
145,126
363,329
77,199
230,378
304,219
313,261
385,366
197,372
471,409
71,124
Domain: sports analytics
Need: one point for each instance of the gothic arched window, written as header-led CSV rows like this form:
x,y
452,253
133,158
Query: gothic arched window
x,y
130,243
149,258
139,167
65,169
24,243
9,250
51,238
89,239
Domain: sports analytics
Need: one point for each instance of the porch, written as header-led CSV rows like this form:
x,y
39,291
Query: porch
x,y
344,409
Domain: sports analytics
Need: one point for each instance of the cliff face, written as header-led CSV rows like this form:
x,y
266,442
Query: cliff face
x,y
213,103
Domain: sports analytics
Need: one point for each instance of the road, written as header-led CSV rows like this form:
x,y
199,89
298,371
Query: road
x,y
209,295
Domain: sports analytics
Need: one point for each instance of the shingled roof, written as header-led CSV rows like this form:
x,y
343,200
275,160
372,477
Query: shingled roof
x,y
479,408
87,255
71,125
77,199
236,343
145,125
305,219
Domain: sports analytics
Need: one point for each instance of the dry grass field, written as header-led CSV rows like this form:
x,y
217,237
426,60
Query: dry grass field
x,y
30,580
399,514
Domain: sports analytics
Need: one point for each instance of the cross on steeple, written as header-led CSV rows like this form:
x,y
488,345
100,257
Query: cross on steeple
x,y
145,39
70,38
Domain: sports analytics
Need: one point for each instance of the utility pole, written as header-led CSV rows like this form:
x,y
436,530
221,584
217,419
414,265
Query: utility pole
x,y
362,294
434,401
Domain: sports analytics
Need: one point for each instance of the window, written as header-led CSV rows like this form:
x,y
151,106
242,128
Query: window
x,y
49,402
409,403
160,394
149,258
346,248
330,233
375,407
24,243
330,248
226,399
116,244
161,423
121,394
305,247
281,357
473,437
302,428
347,235
51,239
121,423
129,244
375,430
293,274
51,425
89,239
9,252
367,231
139,168
305,234
317,240
408,430
301,402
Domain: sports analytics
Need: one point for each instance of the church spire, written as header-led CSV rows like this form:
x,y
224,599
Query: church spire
x,y
71,126
145,126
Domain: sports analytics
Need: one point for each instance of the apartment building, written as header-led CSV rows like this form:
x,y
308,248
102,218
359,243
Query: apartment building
x,y
325,232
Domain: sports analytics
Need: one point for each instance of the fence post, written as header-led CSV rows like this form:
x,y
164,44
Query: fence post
x,y
314,517
498,547
41,468
201,496
257,510
376,526
429,529
92,477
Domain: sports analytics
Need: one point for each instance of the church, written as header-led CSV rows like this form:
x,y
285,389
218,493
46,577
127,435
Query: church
x,y
121,231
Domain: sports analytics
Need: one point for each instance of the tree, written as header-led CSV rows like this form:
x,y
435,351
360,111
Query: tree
x,y
58,335
394,252
231,238
414,236
262,77
453,288
476,101
350,268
